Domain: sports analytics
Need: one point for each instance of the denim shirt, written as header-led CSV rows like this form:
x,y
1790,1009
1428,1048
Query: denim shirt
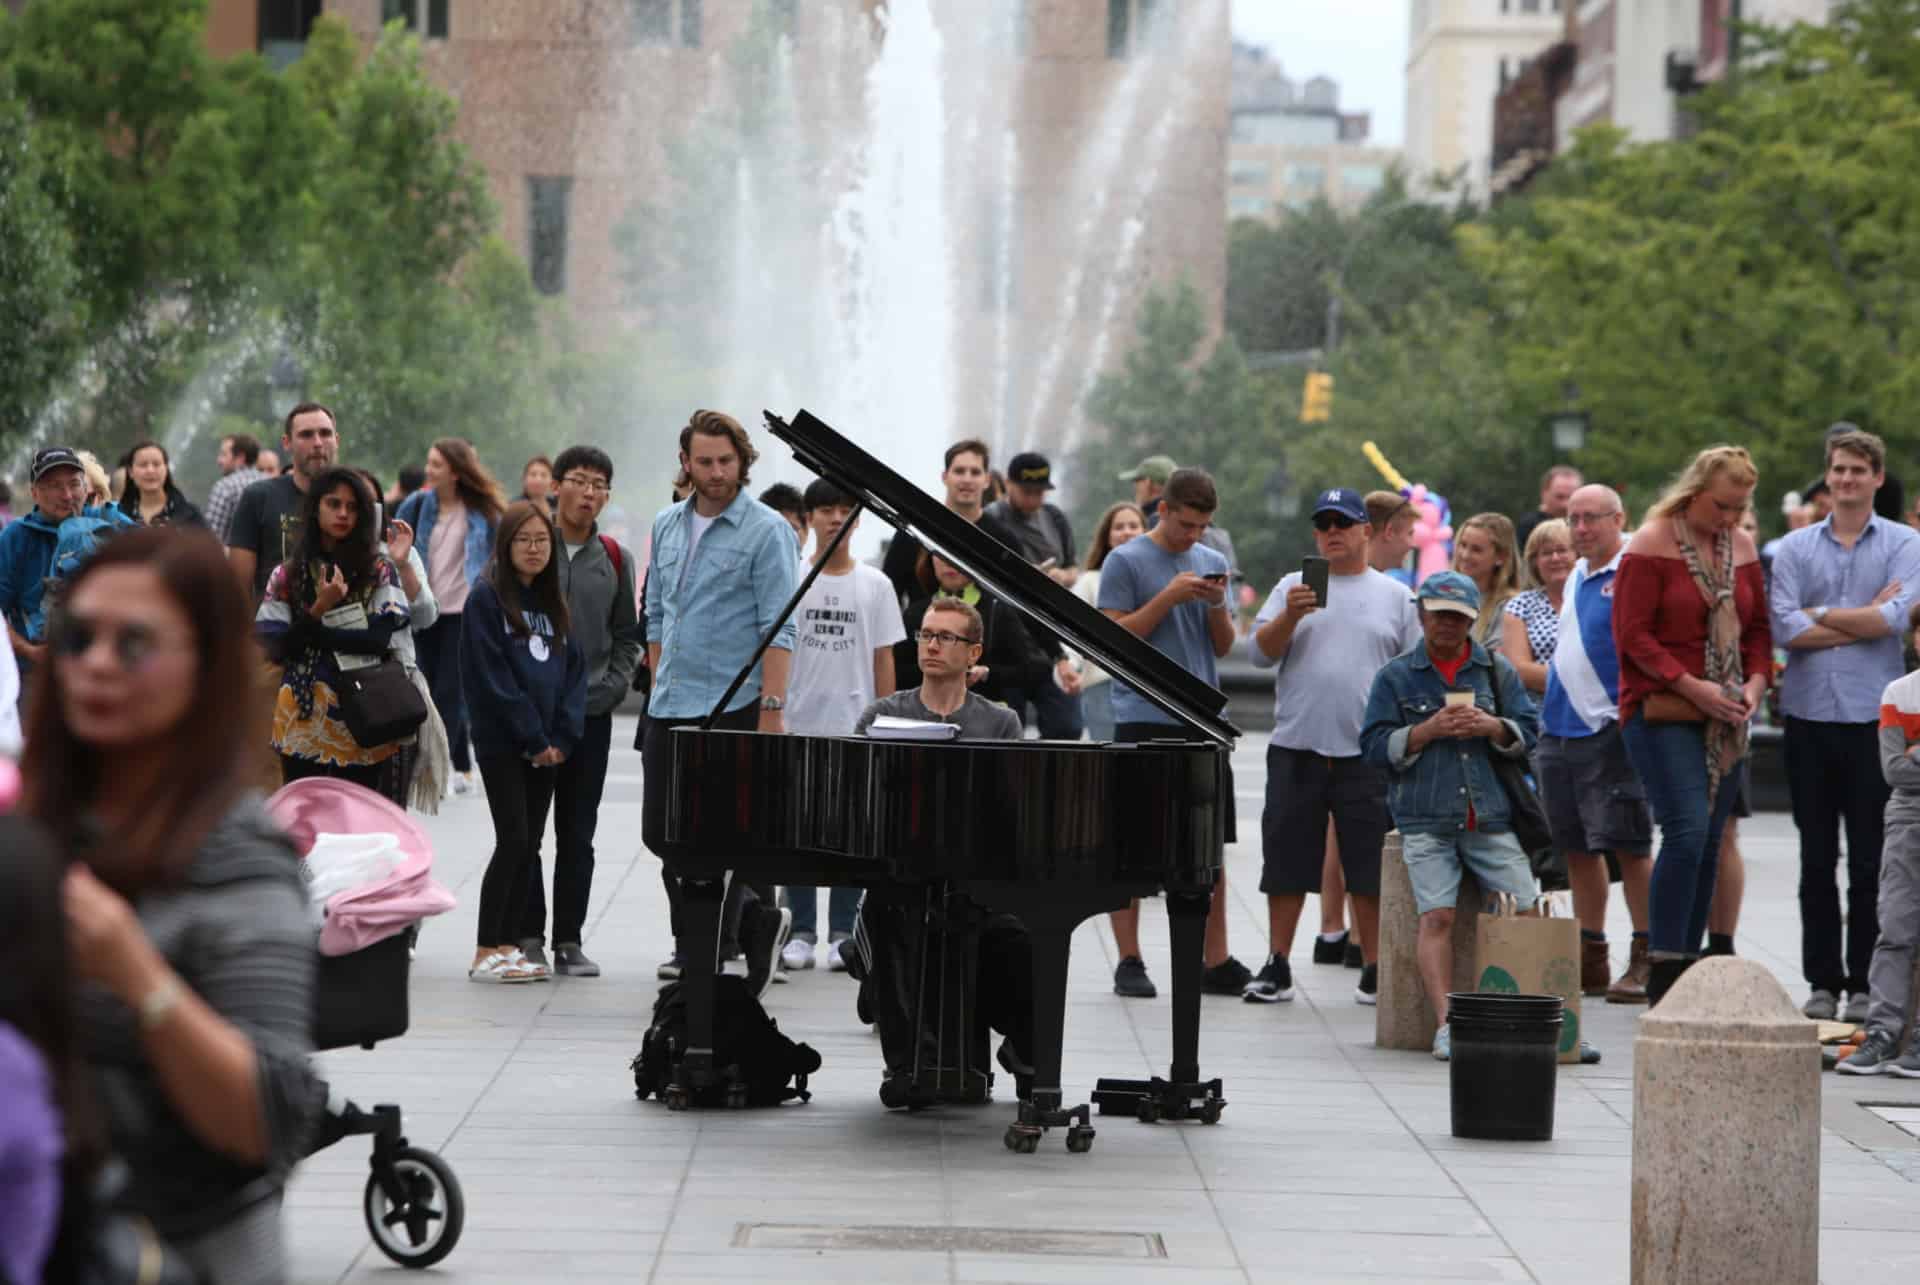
x,y
710,616
422,509
1428,791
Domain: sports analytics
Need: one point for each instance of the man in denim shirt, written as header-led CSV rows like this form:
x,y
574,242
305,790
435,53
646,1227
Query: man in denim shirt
x,y
1430,723
723,570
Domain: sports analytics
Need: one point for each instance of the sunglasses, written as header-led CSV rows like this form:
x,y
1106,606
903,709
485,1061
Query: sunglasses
x,y
134,645
1333,522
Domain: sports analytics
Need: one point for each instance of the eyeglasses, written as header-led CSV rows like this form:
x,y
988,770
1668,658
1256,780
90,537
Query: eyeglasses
x,y
134,645
1333,522
943,638
533,543
591,485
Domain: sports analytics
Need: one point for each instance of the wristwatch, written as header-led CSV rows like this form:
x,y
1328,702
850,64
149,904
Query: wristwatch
x,y
1818,614
772,704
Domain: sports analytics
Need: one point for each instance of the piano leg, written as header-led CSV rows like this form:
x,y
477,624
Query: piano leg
x,y
702,902
1182,1094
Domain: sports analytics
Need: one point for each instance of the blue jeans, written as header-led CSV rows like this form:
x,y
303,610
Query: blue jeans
x,y
842,905
1671,760
1056,713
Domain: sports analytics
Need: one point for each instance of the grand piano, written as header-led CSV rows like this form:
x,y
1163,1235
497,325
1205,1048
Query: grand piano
x,y
1051,832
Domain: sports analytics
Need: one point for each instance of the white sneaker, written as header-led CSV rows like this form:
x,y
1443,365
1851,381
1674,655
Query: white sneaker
x,y
835,964
462,784
798,955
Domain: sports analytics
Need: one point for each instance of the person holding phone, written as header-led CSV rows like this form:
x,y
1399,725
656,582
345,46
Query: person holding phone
x,y
1325,631
1170,589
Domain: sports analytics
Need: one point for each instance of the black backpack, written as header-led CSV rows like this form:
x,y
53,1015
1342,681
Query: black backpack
x,y
757,1065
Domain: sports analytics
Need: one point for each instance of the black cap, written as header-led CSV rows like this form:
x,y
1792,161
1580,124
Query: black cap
x,y
49,458
1030,468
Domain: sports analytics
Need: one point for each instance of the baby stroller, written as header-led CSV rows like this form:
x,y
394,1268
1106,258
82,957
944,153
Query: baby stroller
x,y
413,1205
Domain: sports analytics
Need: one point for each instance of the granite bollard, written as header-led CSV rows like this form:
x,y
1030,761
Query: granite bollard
x,y
1726,1133
1404,1019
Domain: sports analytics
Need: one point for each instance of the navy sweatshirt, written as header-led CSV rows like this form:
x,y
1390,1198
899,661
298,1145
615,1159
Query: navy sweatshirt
x,y
523,694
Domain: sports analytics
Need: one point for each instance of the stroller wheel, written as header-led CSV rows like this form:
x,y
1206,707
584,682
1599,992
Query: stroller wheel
x,y
423,1226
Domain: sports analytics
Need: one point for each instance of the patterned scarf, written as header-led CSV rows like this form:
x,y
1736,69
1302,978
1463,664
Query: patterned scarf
x,y
1726,742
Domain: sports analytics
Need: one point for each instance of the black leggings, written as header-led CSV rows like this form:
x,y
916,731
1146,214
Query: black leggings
x,y
518,795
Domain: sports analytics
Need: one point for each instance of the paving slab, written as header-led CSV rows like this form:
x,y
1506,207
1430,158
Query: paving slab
x,y
1334,1162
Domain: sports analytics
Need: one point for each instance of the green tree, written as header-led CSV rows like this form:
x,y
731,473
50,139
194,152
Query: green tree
x,y
41,314
1751,283
1205,410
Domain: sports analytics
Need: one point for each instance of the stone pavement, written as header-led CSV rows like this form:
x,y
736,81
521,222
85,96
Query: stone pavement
x,y
1334,1161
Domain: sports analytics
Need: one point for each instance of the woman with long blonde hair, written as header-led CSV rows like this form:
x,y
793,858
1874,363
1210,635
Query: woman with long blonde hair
x,y
1485,551
1696,655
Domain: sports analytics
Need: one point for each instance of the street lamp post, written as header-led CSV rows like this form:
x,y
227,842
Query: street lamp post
x,y
1567,427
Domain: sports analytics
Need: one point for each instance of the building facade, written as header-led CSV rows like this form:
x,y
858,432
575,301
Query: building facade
x,y
1460,54
1290,143
1082,145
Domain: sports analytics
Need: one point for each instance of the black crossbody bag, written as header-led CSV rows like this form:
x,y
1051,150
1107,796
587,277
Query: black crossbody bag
x,y
1525,811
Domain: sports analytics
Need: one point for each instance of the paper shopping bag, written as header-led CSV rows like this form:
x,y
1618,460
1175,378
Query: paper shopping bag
x,y
1522,952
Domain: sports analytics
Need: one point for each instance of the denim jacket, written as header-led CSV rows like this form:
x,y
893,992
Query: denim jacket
x,y
1428,792
422,509
708,617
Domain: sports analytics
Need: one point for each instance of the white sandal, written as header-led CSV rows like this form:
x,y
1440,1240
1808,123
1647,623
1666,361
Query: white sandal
x,y
504,967
527,969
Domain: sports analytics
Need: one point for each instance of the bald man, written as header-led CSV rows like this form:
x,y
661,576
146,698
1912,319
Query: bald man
x,y
1595,805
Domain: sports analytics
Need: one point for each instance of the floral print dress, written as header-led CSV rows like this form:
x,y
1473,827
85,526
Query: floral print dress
x,y
306,714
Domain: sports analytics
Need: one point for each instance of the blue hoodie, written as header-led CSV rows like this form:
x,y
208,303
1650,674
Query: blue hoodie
x,y
523,694
26,560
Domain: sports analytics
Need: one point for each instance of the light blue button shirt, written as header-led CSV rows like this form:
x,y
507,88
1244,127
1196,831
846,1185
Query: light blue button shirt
x,y
1813,569
708,617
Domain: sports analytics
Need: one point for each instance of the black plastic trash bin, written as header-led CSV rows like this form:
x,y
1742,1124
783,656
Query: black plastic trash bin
x,y
1506,1059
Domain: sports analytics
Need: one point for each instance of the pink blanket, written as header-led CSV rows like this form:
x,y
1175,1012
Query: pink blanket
x,y
358,917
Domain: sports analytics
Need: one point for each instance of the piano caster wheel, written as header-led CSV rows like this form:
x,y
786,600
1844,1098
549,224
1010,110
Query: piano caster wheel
x,y
1024,1139
677,1098
1080,1139
1210,1111
1147,1111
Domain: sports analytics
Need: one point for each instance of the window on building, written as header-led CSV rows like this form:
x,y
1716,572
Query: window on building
x,y
650,22
1119,27
547,202
1362,178
1309,177
691,23
1250,174
429,16
284,26
1250,207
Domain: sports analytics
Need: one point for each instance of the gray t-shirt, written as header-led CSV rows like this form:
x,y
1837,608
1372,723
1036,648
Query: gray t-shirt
x,y
1320,688
979,719
1043,534
1129,578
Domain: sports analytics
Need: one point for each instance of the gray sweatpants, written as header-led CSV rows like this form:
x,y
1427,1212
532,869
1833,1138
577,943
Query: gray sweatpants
x,y
1890,980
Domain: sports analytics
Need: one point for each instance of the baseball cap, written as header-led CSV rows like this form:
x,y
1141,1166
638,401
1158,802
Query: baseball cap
x,y
1347,504
1029,468
1450,591
1155,468
49,458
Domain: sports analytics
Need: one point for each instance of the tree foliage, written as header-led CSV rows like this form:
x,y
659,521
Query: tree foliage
x,y
225,219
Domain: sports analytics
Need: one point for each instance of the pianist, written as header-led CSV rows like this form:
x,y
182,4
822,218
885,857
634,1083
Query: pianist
x,y
949,642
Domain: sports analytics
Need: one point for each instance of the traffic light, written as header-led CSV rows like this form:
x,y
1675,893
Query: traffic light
x,y
1316,399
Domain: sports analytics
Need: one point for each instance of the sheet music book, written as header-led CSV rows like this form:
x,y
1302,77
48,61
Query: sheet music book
x,y
885,727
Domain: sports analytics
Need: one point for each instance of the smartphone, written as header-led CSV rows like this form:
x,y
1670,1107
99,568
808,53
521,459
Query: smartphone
x,y
1313,574
1459,698
1049,564
1218,577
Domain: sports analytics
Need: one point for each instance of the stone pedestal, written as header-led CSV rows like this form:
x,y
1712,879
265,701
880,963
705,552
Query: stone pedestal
x,y
1726,1133
1404,1018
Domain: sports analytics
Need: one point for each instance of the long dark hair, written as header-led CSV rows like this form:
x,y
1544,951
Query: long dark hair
x,y
215,749
355,555
130,498
475,486
544,593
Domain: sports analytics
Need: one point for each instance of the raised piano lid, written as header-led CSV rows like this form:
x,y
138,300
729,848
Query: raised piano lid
x,y
1142,666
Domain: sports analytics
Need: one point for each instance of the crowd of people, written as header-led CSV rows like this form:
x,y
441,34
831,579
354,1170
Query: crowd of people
x,y
418,635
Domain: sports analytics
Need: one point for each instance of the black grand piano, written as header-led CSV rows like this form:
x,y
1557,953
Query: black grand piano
x,y
1052,832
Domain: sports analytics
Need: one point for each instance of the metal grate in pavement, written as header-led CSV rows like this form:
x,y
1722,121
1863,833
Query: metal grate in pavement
x,y
896,1238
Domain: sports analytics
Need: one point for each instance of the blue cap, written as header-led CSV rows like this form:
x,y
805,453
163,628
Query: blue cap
x,y
1347,504
1450,591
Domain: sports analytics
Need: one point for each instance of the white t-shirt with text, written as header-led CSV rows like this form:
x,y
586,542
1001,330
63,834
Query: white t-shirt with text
x,y
841,622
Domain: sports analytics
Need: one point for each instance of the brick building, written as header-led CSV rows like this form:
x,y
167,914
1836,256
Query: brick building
x,y
1085,156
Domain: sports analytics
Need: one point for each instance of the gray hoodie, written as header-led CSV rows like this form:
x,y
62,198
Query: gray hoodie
x,y
603,620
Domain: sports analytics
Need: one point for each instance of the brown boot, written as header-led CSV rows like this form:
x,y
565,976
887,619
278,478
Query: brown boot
x,y
1594,968
1632,986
